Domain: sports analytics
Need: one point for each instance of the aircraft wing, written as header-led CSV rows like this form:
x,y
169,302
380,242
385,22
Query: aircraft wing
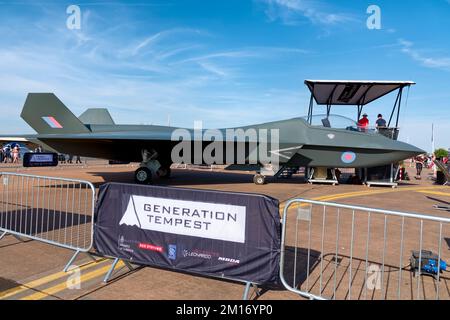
x,y
112,146
29,141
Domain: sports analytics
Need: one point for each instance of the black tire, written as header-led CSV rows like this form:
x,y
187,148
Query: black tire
x,y
259,179
143,175
164,172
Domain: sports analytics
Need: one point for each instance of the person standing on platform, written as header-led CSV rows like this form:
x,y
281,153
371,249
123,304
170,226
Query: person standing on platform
x,y
363,123
380,123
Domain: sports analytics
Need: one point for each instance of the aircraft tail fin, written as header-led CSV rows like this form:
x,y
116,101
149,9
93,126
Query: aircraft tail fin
x,y
46,114
96,116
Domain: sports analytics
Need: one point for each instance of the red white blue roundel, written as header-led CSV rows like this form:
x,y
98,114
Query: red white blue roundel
x,y
348,157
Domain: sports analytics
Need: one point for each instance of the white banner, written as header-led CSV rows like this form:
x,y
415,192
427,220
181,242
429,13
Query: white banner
x,y
37,157
197,219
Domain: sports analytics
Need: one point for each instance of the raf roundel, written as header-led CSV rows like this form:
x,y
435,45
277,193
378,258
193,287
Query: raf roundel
x,y
348,157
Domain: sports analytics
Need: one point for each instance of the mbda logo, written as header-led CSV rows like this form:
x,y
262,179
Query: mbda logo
x,y
230,260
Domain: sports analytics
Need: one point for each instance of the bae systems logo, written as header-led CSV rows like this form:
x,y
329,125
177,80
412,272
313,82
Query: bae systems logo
x,y
230,260
122,245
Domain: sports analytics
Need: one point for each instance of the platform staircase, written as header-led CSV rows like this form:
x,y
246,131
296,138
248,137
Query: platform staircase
x,y
286,172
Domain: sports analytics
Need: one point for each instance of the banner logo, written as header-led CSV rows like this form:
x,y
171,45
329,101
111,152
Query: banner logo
x,y
172,252
199,254
230,260
151,247
122,245
191,218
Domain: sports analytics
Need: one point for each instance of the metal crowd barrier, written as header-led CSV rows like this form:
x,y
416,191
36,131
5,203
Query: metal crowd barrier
x,y
337,251
52,210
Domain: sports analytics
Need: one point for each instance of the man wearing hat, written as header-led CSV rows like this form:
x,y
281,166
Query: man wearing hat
x,y
363,123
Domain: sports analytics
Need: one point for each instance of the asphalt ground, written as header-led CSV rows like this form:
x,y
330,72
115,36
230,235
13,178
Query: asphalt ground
x,y
33,270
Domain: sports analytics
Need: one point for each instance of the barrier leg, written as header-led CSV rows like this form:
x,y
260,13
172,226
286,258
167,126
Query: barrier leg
x,y
111,270
18,238
257,292
246,291
3,234
129,266
91,256
71,260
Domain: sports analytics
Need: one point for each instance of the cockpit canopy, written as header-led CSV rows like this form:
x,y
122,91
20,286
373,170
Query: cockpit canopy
x,y
332,121
340,122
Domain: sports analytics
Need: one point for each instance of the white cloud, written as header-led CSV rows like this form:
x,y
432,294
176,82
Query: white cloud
x,y
291,12
214,69
407,47
224,54
145,43
169,53
140,77
245,53
139,89
153,39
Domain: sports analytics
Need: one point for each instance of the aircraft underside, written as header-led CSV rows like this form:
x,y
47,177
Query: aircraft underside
x,y
156,156
268,148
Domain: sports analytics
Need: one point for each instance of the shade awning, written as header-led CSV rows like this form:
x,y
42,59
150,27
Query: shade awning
x,y
350,92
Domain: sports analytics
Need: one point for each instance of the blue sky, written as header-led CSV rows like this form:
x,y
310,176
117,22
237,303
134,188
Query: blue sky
x,y
227,63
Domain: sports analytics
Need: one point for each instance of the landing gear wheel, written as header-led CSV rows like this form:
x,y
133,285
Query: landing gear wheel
x,y
164,172
143,175
259,179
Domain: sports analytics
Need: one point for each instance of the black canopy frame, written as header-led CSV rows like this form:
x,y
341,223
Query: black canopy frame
x,y
348,90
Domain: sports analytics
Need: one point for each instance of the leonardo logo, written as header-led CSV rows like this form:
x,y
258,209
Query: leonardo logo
x,y
197,254
229,260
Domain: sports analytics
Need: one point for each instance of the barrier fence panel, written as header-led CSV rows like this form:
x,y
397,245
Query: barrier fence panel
x,y
226,235
336,251
53,210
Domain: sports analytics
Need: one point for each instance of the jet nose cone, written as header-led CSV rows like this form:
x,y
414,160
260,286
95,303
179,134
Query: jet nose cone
x,y
405,151
418,151
413,150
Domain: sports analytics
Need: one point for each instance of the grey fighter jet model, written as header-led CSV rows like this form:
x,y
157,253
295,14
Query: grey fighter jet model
x,y
302,142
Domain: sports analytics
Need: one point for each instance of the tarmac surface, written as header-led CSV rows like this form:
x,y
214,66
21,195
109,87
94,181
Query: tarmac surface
x,y
33,270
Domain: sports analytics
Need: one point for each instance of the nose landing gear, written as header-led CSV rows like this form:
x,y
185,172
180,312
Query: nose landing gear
x,y
143,175
259,179
148,168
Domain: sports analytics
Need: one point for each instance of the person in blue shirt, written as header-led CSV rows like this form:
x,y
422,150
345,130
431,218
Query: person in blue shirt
x,y
380,123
